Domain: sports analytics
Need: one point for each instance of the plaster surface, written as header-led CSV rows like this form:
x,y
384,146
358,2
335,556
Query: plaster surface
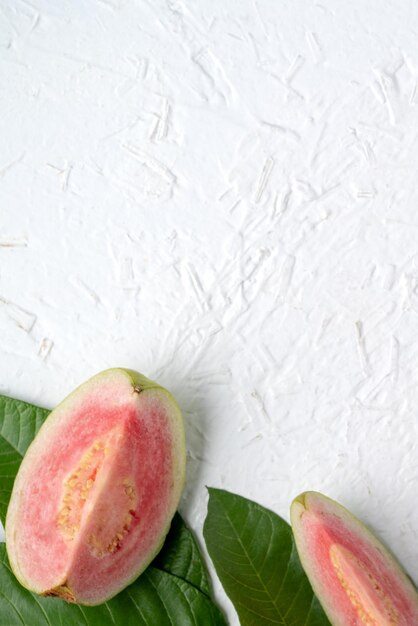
x,y
223,195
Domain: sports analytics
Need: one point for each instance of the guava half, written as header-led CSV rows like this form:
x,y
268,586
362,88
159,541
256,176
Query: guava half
x,y
356,579
97,489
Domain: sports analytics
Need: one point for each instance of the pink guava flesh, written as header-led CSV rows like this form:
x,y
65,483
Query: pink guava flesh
x,y
97,489
356,579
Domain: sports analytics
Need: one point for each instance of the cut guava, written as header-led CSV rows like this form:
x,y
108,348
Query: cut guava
x,y
356,579
97,489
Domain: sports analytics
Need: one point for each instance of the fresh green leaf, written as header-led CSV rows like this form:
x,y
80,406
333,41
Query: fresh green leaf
x,y
155,599
180,556
19,423
256,560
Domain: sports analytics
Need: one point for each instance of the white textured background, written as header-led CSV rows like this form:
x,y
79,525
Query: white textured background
x,y
223,195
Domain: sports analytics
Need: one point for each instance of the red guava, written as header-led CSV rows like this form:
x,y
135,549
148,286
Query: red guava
x,y
97,489
356,579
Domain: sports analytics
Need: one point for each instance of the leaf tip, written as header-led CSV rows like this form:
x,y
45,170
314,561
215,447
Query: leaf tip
x,y
214,491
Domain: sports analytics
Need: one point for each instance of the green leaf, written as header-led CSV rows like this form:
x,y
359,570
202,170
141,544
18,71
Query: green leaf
x,y
19,423
180,556
155,599
256,560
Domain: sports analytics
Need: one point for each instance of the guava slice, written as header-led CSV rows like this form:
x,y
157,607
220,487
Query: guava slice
x,y
356,579
97,489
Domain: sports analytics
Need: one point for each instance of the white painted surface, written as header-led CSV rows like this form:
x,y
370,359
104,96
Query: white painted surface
x,y
224,196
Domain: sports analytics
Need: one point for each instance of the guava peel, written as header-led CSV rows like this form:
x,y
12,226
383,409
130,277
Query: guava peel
x,y
97,489
356,579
